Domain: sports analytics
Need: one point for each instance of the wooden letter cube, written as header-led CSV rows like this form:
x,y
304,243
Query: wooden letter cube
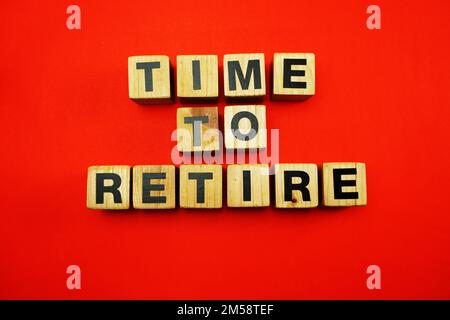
x,y
296,186
197,77
248,185
108,187
344,184
154,187
244,75
149,79
198,129
293,76
245,127
201,186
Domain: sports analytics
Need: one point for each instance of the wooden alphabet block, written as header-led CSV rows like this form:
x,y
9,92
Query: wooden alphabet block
x,y
248,185
198,129
197,77
296,186
201,186
344,184
149,79
244,75
154,187
293,76
245,127
108,187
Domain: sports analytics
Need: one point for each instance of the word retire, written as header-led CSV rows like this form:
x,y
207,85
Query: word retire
x,y
200,186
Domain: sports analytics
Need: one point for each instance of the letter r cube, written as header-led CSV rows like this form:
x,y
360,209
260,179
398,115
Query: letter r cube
x,y
108,187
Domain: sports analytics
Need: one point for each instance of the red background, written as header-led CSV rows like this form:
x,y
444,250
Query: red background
x,y
382,98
